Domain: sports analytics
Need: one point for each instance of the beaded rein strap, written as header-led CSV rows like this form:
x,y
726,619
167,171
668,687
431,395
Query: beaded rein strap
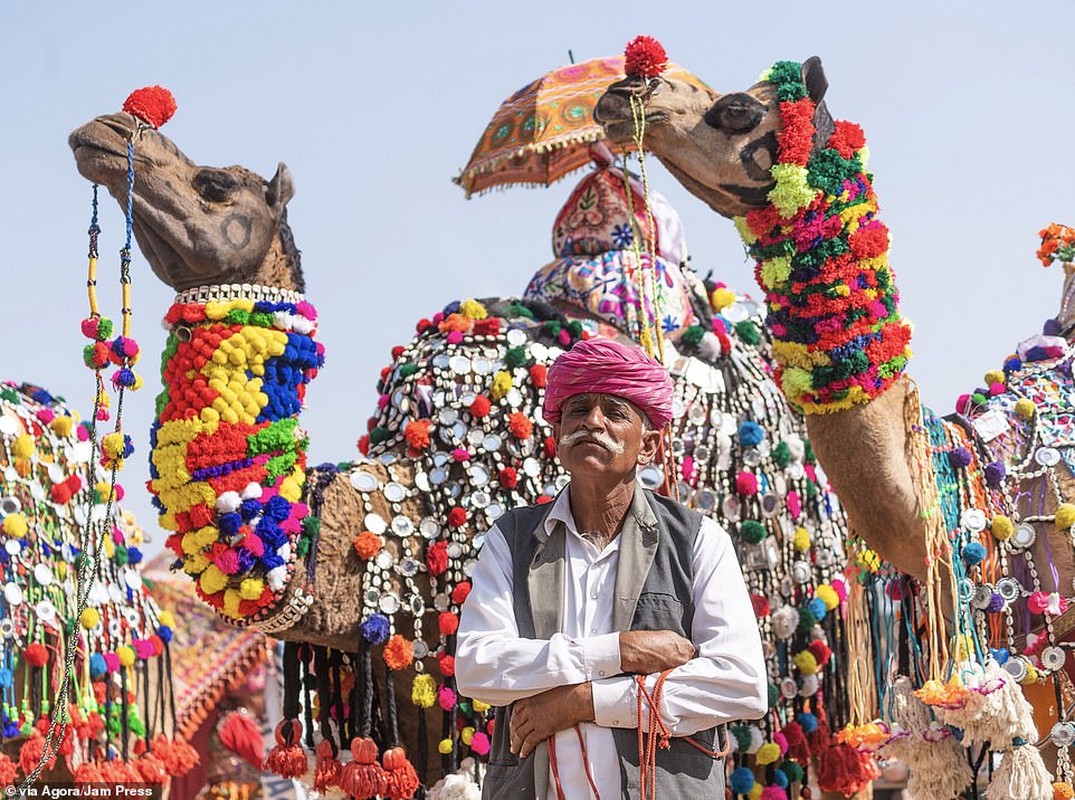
x,y
229,458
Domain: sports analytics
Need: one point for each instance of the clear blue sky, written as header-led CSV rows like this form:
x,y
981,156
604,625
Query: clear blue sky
x,y
967,108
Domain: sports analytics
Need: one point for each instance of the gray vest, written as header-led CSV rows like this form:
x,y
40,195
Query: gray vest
x,y
654,591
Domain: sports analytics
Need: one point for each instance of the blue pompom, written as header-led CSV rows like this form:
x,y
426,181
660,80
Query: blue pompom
x,y
741,781
1013,364
6,678
375,629
817,608
134,556
750,434
165,633
973,553
1001,655
780,779
98,666
807,721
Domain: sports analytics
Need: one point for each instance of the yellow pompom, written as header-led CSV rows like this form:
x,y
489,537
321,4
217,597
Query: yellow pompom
x,y
61,570
231,603
445,747
745,233
828,596
501,384
994,376
806,663
109,546
23,446
167,619
755,791
801,540
1025,408
466,734
251,588
792,191
1031,675
112,445
472,309
125,655
15,525
62,426
424,690
721,298
212,580
480,707
289,490
1002,528
775,272
1065,516
89,618
768,753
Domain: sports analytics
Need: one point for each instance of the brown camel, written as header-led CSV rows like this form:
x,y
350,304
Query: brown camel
x,y
925,493
456,440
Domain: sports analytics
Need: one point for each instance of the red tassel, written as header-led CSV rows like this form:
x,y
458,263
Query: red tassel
x,y
239,733
8,770
328,768
401,778
30,754
151,770
287,759
363,778
845,770
88,772
178,757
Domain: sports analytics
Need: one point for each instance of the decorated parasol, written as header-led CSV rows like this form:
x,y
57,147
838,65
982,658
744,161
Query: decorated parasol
x,y
543,131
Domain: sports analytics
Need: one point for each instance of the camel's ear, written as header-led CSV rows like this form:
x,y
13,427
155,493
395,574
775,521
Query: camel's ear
x,y
280,190
814,78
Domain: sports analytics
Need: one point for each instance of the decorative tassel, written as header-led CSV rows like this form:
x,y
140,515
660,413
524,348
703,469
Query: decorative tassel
x,y
151,770
287,759
845,770
363,778
8,770
328,769
88,772
240,734
1021,775
30,754
402,779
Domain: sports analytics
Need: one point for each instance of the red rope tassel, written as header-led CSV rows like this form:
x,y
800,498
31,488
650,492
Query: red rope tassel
x,y
362,778
287,759
328,769
401,777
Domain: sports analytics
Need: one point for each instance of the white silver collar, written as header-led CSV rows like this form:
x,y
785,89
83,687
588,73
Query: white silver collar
x,y
238,291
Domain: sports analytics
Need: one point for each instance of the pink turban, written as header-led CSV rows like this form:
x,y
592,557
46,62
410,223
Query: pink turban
x,y
605,366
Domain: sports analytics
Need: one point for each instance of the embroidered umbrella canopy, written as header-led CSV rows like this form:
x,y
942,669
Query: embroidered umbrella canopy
x,y
543,131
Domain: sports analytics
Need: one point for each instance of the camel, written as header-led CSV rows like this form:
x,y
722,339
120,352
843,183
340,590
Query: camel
x,y
378,549
57,516
974,506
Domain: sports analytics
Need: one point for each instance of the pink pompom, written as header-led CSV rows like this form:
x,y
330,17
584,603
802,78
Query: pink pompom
x,y
795,506
446,698
455,337
773,792
46,415
746,483
480,743
840,588
781,741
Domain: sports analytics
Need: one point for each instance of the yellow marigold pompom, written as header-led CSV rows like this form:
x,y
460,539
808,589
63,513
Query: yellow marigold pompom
x,y
23,446
792,190
290,491
212,580
994,376
89,618
501,384
775,272
232,598
797,382
1031,675
112,444
745,233
15,525
721,298
424,690
801,540
473,309
109,546
125,654
1065,516
445,746
1002,528
251,588
1025,408
755,791
1062,790
63,425
768,753
828,596
166,618
806,662
480,707
467,734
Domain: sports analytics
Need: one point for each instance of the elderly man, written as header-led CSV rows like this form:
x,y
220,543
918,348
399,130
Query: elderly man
x,y
574,599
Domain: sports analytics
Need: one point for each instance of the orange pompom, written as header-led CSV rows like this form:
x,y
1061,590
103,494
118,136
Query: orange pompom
x,y
398,653
154,105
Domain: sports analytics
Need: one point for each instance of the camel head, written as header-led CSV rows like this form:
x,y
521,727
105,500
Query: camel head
x,y
196,225
720,147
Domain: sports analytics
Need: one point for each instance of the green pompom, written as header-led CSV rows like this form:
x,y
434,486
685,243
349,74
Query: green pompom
x,y
406,370
792,770
380,434
748,332
781,455
742,736
693,335
752,531
516,357
807,620
120,556
774,695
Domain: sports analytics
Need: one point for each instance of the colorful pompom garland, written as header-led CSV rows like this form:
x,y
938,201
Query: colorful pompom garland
x,y
821,257
229,460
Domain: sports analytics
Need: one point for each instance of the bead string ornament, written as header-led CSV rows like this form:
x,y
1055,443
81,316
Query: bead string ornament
x,y
97,539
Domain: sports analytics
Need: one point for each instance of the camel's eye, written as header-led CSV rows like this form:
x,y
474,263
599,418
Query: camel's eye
x,y
735,113
215,185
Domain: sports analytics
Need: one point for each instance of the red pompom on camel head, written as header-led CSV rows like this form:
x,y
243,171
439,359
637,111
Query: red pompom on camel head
x,y
644,57
154,105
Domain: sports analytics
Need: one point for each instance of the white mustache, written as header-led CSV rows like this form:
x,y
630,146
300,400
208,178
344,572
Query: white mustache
x,y
601,438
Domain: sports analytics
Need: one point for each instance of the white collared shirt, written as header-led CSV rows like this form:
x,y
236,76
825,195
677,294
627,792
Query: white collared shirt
x,y
725,681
